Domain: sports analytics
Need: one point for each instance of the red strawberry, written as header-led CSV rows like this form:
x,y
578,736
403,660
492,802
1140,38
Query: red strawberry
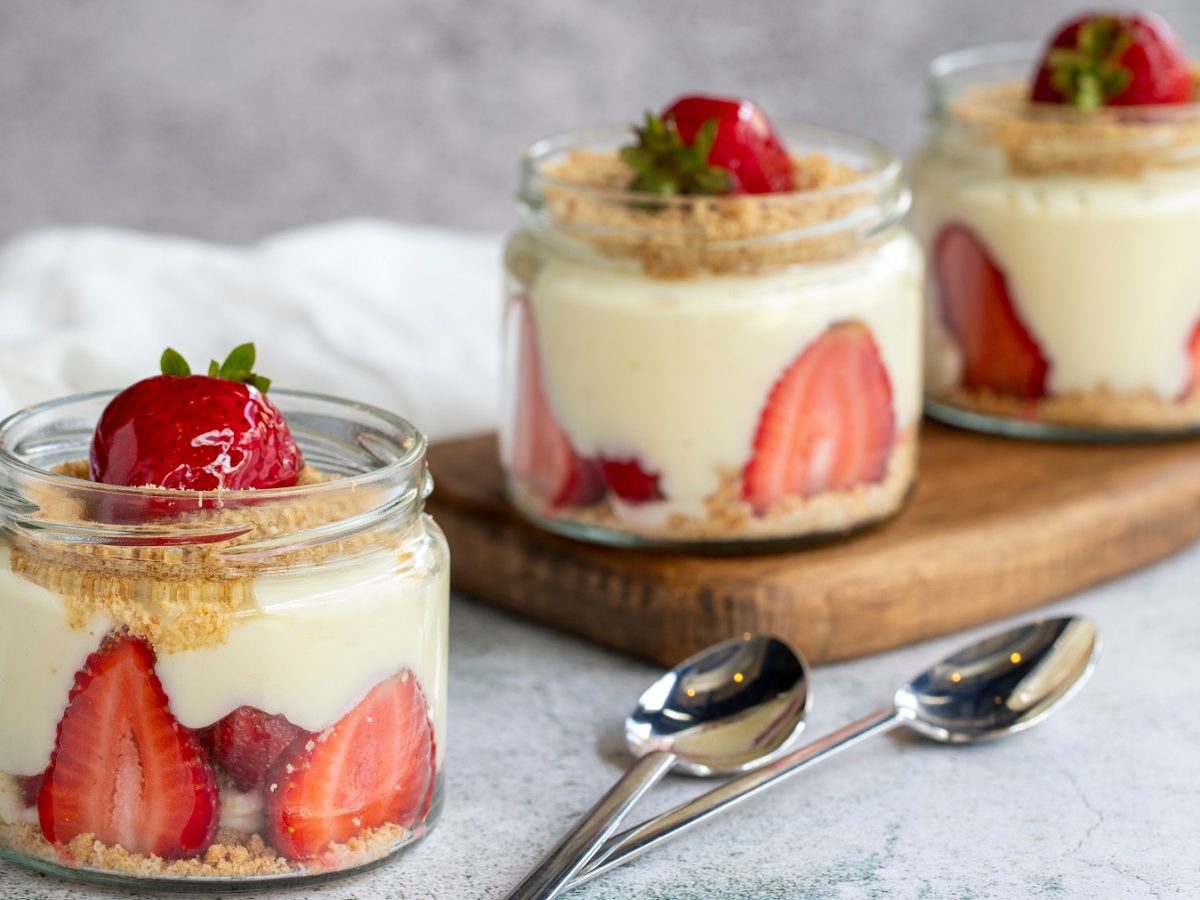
x,y
709,145
30,786
828,424
247,741
746,143
541,454
628,480
999,353
123,768
1193,352
1100,59
196,432
374,766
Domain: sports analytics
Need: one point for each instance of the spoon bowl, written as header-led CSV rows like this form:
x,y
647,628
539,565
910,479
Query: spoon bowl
x,y
1001,685
991,688
730,708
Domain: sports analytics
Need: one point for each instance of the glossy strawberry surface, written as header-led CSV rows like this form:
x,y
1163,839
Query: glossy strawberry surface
x,y
194,432
1107,59
746,143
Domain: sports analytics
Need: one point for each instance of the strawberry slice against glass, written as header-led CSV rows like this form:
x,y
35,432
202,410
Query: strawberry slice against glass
x,y
123,769
541,455
999,352
828,424
374,767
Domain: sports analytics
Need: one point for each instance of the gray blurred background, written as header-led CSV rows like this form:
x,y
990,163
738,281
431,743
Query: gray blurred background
x,y
229,119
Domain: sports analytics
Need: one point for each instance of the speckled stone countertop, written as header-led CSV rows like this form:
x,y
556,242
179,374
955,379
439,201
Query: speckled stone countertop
x,y
1101,801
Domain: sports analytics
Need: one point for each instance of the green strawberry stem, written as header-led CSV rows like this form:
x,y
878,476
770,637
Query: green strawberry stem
x,y
663,164
173,363
1091,73
238,366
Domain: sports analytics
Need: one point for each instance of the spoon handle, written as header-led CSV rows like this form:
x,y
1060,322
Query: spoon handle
x,y
578,847
649,834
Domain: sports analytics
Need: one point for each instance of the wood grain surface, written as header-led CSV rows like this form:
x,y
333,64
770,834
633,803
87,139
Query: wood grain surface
x,y
994,527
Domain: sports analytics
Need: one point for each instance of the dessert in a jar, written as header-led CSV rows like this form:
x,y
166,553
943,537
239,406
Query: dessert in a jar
x,y
222,634
1058,201
712,332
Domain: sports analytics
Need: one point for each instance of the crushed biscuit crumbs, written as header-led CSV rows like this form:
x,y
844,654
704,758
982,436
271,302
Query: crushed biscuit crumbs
x,y
730,519
682,236
234,854
185,596
1109,141
1101,408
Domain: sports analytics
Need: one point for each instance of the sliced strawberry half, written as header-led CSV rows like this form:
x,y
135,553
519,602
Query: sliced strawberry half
x,y
828,423
630,481
541,455
247,741
123,769
999,353
375,766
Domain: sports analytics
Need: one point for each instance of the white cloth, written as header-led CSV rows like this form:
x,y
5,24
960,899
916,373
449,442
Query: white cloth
x,y
402,318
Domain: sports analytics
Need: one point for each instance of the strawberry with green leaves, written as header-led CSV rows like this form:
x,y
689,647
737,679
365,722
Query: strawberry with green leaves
x,y
709,145
1110,59
196,432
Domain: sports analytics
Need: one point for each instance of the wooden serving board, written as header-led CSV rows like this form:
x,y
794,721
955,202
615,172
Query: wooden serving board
x,y
993,528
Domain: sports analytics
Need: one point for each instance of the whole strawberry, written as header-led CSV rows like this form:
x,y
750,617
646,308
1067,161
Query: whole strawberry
x,y
709,145
1108,59
196,432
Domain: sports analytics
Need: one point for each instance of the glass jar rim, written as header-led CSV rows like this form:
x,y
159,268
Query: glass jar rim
x,y
955,68
391,491
882,179
413,447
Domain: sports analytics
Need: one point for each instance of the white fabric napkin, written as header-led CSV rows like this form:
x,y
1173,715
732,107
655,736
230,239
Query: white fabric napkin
x,y
403,318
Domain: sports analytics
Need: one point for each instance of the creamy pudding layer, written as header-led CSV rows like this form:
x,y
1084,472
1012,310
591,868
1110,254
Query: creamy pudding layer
x,y
311,647
1103,269
676,372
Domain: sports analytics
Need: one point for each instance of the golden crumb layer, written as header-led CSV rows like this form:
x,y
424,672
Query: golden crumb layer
x,y
730,519
680,238
181,597
234,854
1101,408
1112,141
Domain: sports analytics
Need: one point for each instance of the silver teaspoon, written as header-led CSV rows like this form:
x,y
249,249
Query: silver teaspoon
x,y
727,709
998,686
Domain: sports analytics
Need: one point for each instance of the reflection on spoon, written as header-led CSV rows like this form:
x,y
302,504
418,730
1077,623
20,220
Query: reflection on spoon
x,y
998,686
727,709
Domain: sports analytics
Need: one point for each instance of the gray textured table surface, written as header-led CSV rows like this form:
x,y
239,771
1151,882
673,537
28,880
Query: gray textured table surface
x,y
1102,801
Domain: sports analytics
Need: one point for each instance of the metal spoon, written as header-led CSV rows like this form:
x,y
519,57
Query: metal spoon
x,y
728,709
998,686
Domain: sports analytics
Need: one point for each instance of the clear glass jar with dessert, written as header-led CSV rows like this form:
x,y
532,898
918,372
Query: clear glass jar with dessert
x,y
234,681
1058,198
712,338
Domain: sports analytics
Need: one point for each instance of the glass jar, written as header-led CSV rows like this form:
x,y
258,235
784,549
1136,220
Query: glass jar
x,y
225,690
711,370
1063,273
